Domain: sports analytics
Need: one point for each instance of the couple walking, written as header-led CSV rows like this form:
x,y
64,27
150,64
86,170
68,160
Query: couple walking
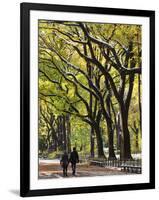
x,y
74,158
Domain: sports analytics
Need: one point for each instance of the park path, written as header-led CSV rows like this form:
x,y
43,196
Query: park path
x,y
52,169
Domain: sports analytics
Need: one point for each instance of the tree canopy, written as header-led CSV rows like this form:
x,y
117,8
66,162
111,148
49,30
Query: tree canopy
x,y
90,88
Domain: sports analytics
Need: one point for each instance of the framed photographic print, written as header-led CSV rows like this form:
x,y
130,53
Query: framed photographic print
x,y
87,99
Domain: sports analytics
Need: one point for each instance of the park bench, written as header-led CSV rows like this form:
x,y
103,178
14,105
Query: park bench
x,y
131,168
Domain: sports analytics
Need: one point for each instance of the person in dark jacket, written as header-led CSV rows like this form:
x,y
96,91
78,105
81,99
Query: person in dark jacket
x,y
64,163
74,158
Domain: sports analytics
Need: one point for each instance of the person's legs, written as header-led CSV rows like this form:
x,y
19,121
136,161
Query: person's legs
x,y
63,171
73,168
66,170
72,165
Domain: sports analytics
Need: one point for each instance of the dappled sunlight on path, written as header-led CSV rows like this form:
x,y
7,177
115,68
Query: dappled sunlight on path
x,y
54,170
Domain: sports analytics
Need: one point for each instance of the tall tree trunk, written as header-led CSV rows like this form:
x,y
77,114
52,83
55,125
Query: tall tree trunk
x,y
68,131
54,138
117,126
48,140
118,129
126,135
60,135
92,142
124,104
90,71
139,86
64,133
55,143
91,129
139,102
110,141
99,140
109,124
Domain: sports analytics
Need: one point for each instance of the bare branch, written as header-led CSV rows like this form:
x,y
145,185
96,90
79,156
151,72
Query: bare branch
x,y
51,80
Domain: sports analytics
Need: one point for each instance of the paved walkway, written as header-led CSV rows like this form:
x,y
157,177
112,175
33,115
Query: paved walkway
x,y
52,169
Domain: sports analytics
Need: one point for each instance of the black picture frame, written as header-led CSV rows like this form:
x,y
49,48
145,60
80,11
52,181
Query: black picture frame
x,y
25,9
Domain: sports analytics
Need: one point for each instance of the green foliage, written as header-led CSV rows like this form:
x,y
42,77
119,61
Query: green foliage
x,y
63,77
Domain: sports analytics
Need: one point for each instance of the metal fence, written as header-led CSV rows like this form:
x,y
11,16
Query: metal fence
x,y
131,166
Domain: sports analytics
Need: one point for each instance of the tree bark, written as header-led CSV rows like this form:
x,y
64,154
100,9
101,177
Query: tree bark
x,y
109,124
68,131
139,102
99,140
118,129
111,141
60,135
126,135
64,133
90,72
92,142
